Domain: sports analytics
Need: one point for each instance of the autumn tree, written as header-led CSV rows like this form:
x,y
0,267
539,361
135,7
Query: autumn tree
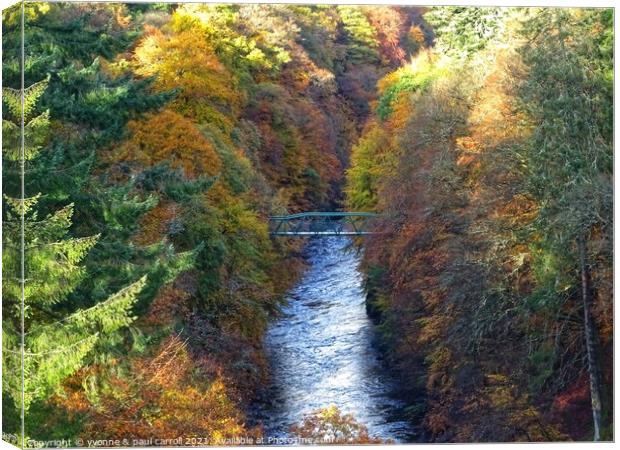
x,y
162,380
330,426
206,89
168,136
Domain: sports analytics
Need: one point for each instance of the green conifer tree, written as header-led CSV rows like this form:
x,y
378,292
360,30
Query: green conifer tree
x,y
54,344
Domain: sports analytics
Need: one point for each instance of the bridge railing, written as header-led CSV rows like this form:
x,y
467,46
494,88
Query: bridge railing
x,y
318,223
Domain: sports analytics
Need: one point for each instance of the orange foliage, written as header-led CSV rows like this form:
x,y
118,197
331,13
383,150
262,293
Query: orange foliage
x,y
303,162
154,223
390,25
416,35
160,399
169,306
168,136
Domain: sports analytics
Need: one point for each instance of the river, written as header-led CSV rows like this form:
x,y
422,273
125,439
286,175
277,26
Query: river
x,y
322,351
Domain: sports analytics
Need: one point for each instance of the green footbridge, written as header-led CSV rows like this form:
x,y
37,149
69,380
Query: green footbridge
x,y
317,223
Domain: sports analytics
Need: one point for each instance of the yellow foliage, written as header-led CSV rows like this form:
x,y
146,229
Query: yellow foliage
x,y
32,11
367,168
441,361
330,426
186,62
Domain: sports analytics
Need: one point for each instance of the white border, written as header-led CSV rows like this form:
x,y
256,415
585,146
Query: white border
x,y
551,3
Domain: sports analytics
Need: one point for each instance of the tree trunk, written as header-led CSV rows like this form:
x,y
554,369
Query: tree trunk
x,y
591,338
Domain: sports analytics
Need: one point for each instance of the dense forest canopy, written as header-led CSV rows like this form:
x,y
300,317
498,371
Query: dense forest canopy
x,y
490,157
159,138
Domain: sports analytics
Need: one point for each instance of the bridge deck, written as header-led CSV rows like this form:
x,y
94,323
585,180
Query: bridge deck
x,y
321,233
330,214
319,223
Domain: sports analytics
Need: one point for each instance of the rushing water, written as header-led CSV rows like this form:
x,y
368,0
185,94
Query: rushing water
x,y
321,351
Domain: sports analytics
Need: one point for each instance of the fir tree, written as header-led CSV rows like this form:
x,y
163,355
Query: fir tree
x,y
54,346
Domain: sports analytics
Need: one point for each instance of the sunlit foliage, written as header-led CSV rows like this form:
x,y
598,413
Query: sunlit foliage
x,y
168,136
184,61
330,426
155,395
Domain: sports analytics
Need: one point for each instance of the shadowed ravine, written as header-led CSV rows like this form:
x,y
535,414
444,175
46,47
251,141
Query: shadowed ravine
x,y
321,351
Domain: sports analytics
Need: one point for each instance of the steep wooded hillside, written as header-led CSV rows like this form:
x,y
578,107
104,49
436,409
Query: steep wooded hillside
x,y
490,157
159,139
